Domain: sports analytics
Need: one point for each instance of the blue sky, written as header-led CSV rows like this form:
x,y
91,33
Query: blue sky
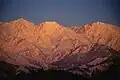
x,y
66,12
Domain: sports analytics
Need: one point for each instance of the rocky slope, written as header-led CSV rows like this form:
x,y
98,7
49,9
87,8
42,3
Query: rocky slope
x,y
94,47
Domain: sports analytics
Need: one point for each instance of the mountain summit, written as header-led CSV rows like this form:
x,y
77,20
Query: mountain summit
x,y
50,26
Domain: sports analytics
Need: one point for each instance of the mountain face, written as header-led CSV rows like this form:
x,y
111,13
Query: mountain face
x,y
81,50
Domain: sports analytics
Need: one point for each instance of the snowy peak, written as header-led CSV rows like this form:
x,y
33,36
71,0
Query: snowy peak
x,y
50,27
50,24
22,21
101,33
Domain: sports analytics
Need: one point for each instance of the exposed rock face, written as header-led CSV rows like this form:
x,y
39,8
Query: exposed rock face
x,y
53,46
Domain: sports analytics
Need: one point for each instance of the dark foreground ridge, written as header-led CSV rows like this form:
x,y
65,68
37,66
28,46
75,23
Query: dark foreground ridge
x,y
101,63
8,72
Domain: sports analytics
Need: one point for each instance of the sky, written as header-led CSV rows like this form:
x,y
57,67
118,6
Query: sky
x,y
65,12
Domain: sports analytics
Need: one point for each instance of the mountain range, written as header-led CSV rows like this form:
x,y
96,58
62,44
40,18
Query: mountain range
x,y
83,50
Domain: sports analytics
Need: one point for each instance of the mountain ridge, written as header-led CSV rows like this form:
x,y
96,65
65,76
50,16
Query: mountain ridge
x,y
101,33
